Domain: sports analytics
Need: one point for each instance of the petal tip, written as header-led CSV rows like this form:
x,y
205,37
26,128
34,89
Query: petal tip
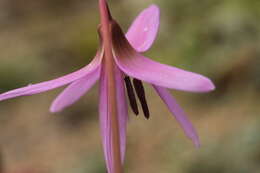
x,y
208,86
154,7
203,85
195,139
212,87
197,144
155,10
55,109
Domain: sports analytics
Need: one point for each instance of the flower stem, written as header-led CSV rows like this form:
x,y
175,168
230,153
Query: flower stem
x,y
110,72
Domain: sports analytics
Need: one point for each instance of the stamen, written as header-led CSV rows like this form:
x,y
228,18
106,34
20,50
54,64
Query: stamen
x,y
131,95
139,89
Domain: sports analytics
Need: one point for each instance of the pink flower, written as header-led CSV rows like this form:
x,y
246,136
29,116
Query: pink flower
x,y
117,59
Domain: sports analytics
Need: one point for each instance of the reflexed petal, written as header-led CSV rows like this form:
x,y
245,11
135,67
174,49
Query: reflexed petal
x,y
178,113
143,30
137,66
48,85
105,118
142,68
74,91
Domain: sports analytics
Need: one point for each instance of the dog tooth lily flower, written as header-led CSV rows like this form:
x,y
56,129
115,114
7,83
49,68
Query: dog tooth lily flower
x,y
116,61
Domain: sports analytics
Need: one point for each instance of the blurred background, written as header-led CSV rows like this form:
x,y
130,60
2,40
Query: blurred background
x,y
44,39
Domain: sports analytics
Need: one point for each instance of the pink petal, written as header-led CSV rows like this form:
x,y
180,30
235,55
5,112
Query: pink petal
x,y
122,111
142,68
178,113
74,91
106,131
105,121
48,85
143,30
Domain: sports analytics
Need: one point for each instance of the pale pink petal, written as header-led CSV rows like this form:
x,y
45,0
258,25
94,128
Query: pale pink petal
x,y
142,68
143,30
48,85
74,91
122,110
105,118
178,113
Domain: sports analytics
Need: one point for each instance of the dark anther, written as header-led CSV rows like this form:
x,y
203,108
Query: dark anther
x,y
139,89
131,95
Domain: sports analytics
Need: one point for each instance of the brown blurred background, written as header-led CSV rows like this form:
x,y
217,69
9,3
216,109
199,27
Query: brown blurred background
x,y
44,39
